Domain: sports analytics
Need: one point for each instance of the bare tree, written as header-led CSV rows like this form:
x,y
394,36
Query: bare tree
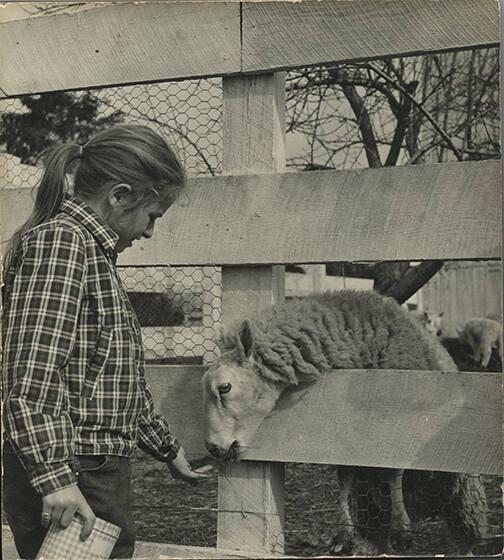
x,y
434,108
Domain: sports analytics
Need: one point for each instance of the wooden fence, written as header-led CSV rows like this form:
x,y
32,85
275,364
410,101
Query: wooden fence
x,y
257,217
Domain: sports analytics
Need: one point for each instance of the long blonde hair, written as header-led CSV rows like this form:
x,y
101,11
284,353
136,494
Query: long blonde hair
x,y
131,154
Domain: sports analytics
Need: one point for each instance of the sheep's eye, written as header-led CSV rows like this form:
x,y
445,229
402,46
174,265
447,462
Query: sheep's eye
x,y
224,388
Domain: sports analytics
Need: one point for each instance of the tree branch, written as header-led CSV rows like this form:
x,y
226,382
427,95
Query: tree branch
x,y
403,121
337,79
427,115
364,122
412,280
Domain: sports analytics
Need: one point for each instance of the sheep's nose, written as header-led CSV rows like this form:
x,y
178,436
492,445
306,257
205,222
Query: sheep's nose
x,y
215,450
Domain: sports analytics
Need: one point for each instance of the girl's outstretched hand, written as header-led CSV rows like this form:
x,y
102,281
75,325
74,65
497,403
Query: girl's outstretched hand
x,y
182,470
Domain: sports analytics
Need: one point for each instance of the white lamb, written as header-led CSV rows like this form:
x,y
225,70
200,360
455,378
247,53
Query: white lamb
x,y
432,323
482,335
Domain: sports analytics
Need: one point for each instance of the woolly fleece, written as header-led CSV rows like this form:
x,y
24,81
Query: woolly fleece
x,y
295,343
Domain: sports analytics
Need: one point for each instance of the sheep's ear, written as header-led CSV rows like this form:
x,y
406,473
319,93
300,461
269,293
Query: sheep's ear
x,y
246,340
226,340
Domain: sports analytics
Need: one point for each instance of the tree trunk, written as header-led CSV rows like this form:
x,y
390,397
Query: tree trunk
x,y
412,280
388,274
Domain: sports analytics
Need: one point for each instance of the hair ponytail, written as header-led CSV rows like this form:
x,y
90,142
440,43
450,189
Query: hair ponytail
x,y
125,153
50,193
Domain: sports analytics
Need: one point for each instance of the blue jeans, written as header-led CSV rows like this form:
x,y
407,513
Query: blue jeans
x,y
105,482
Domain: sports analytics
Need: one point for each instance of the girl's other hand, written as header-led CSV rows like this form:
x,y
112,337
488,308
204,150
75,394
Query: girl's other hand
x,y
61,506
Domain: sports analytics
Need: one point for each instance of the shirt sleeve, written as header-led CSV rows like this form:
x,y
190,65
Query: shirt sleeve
x,y
154,433
40,332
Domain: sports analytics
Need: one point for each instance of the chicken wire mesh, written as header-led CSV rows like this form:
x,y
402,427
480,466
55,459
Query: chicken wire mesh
x,y
179,309
440,521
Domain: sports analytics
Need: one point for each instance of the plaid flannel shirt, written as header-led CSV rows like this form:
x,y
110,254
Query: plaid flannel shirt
x,y
73,362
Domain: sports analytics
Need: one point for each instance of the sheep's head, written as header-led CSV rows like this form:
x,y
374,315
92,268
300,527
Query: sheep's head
x,y
237,399
434,324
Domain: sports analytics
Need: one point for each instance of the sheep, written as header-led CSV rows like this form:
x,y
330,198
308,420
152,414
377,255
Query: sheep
x,y
482,335
433,323
298,342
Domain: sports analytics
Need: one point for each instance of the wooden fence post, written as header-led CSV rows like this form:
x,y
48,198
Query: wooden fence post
x,y
250,506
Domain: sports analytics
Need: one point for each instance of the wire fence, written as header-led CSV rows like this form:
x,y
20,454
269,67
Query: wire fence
x,y
314,522
179,309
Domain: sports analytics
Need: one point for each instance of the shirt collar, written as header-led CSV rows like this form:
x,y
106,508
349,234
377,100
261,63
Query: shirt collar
x,y
96,225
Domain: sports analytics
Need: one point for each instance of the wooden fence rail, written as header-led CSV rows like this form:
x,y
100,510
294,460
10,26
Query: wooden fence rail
x,y
283,34
380,418
321,216
130,43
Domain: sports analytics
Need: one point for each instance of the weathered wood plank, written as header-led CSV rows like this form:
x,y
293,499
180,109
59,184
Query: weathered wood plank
x,y
163,551
419,212
254,125
289,34
250,498
118,44
177,394
404,419
248,290
126,42
441,211
383,418
251,507
153,551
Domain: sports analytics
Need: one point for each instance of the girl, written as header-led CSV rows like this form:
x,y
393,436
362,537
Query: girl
x,y
76,402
